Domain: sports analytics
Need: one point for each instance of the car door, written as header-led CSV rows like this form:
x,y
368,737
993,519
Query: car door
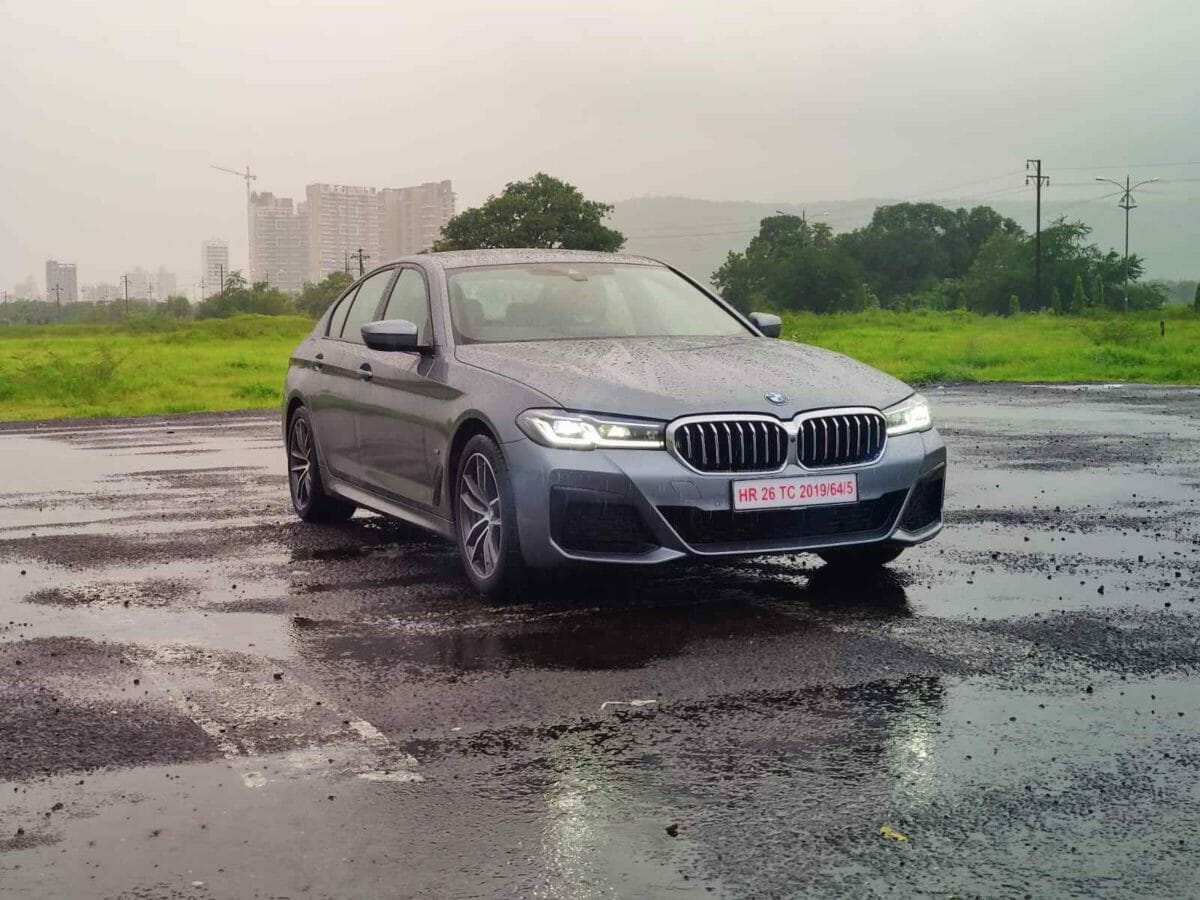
x,y
341,377
393,420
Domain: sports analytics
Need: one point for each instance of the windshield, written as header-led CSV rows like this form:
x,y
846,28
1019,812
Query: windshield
x,y
556,301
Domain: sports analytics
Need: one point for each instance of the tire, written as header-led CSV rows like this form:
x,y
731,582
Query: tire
x,y
485,517
309,498
864,558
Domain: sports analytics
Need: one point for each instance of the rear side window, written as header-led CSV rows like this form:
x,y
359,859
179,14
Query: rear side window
x,y
410,301
338,319
370,292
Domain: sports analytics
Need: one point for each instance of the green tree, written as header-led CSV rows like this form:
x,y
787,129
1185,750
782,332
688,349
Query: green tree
x,y
792,264
1002,268
908,248
540,212
238,297
177,306
1079,300
1056,305
1014,305
1196,301
314,299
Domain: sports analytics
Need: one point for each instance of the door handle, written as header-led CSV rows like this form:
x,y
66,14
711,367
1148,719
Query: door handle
x,y
364,372
317,362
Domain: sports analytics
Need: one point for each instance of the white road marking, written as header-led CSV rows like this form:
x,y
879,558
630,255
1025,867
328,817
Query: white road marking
x,y
258,698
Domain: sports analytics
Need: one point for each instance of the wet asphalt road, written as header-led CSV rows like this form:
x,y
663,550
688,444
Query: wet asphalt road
x,y
202,697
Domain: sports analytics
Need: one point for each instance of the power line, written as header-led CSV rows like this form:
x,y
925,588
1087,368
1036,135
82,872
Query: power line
x,y
1088,200
932,192
1175,165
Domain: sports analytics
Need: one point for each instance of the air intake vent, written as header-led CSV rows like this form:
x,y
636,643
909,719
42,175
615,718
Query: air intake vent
x,y
841,440
732,445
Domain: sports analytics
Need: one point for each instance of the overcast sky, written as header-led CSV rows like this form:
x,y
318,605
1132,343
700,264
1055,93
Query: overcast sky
x,y
113,111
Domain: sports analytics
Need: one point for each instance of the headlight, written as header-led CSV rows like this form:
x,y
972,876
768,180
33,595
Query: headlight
x,y
908,416
576,431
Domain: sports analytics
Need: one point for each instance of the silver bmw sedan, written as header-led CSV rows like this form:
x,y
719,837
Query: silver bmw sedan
x,y
553,407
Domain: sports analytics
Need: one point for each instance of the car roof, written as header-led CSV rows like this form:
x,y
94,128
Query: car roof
x,y
461,259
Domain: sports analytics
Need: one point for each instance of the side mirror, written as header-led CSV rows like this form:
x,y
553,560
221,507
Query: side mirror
x,y
391,334
770,325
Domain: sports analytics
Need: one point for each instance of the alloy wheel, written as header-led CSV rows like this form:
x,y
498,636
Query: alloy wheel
x,y
300,464
479,515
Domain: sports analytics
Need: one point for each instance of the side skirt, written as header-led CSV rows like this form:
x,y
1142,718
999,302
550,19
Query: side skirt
x,y
378,504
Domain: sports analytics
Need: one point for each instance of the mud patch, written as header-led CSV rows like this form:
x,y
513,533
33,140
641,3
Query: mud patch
x,y
1122,641
42,659
154,593
44,735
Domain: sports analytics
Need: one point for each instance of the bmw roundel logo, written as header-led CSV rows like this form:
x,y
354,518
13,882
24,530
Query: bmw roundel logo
x,y
776,398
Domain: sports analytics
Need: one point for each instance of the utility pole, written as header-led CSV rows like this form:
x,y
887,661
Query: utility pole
x,y
1039,180
247,177
57,303
221,270
5,304
1127,204
361,256
125,278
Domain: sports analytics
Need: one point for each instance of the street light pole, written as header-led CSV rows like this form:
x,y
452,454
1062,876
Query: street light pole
x,y
1127,204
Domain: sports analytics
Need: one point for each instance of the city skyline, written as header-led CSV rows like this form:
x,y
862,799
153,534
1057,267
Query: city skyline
x,y
385,223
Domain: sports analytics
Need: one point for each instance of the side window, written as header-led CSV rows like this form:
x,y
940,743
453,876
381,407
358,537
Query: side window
x,y
338,319
370,292
410,301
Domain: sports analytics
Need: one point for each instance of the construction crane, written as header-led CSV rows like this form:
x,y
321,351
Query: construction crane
x,y
247,177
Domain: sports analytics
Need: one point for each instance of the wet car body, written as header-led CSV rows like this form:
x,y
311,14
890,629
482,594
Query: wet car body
x,y
390,428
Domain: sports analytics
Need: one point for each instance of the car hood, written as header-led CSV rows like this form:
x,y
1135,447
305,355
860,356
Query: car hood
x,y
662,378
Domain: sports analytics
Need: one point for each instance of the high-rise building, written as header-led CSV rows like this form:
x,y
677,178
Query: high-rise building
x,y
101,292
413,217
278,241
61,276
214,265
26,290
342,219
385,223
139,283
165,283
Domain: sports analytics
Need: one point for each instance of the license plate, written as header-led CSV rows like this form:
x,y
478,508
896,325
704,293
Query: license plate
x,y
807,490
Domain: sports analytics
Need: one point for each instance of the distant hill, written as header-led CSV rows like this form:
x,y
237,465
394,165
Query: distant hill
x,y
696,235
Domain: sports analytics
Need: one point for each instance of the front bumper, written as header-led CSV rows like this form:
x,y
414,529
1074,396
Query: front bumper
x,y
639,507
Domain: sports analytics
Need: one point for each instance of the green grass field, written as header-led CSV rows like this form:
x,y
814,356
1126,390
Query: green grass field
x,y
925,346
57,371
155,366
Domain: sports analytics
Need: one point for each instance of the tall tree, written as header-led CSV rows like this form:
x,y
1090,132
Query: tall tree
x,y
539,212
1001,269
909,247
1196,302
314,299
792,264
1079,300
177,306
